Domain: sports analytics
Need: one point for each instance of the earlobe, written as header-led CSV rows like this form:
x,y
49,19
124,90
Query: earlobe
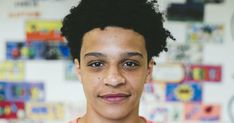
x,y
77,67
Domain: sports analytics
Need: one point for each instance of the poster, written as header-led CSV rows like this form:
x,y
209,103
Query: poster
x,y
12,70
44,111
37,50
153,92
184,92
185,53
12,110
205,33
22,91
43,30
168,73
208,73
164,112
70,72
202,112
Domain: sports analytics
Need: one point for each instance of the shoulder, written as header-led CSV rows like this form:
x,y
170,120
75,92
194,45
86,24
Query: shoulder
x,y
74,121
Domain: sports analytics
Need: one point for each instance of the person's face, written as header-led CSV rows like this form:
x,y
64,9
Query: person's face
x,y
113,69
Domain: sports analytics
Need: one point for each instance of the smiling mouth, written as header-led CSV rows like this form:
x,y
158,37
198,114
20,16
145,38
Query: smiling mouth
x,y
114,98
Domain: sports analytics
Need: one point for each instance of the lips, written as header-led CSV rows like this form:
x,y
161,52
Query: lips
x,y
114,97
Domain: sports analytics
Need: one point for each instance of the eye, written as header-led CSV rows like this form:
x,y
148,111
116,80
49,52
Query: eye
x,y
130,64
96,64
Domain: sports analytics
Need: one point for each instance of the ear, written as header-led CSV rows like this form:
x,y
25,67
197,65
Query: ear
x,y
77,67
150,70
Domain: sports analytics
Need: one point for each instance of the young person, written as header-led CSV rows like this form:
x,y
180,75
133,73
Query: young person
x,y
112,43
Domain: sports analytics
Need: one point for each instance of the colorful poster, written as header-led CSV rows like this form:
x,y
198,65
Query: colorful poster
x,y
70,72
2,91
185,53
25,92
168,73
184,92
37,50
205,33
209,73
164,112
153,92
12,70
202,112
11,110
43,30
45,111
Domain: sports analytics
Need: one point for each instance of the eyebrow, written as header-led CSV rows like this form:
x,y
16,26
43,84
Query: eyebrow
x,y
128,54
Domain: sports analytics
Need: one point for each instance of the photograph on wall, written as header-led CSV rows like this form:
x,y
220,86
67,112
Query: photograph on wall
x,y
202,33
12,110
208,73
44,111
12,70
184,92
168,72
37,51
43,30
184,53
202,112
2,91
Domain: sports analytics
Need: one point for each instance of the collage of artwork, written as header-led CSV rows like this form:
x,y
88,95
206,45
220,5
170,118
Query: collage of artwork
x,y
175,93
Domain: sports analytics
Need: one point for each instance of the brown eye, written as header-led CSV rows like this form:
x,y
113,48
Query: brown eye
x,y
95,64
130,65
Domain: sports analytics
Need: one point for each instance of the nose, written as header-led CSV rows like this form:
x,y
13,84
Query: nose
x,y
114,78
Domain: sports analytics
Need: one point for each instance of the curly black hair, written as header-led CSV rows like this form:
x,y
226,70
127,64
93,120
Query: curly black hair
x,y
138,15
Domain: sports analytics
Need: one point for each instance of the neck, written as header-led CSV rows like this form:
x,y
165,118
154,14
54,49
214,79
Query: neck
x,y
94,117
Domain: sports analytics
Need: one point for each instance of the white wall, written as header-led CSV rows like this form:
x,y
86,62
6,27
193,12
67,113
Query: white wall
x,y
52,72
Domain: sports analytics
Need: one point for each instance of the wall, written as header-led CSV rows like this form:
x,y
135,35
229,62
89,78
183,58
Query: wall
x,y
52,72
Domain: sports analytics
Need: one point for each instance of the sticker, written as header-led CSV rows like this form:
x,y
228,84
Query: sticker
x,y
184,92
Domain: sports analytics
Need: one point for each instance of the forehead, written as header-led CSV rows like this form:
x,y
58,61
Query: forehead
x,y
113,40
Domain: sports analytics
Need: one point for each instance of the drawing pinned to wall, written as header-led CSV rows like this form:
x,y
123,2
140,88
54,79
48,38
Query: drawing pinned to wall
x,y
70,72
202,112
153,92
208,73
185,53
44,111
205,1
205,33
12,70
184,92
22,91
164,112
37,50
44,30
186,12
168,72
12,110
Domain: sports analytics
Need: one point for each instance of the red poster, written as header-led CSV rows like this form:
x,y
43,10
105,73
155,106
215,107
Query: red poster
x,y
12,110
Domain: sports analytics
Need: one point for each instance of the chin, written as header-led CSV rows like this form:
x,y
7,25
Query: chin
x,y
115,114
